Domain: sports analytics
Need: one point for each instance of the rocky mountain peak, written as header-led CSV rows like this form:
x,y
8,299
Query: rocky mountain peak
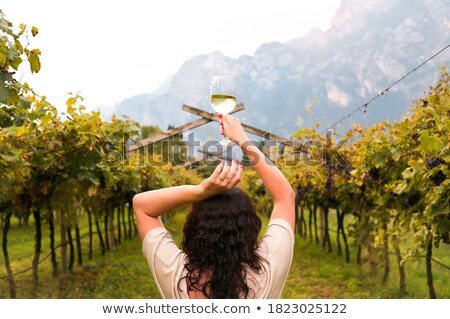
x,y
369,45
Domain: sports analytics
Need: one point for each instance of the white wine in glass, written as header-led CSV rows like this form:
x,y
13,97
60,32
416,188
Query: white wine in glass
x,y
223,99
222,103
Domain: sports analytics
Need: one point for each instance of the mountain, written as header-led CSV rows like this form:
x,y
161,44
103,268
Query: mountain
x,y
370,45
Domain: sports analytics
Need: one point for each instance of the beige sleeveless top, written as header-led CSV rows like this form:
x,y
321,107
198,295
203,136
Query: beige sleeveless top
x,y
167,261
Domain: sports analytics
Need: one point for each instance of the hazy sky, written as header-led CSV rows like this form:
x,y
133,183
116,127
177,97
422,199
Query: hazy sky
x,y
111,50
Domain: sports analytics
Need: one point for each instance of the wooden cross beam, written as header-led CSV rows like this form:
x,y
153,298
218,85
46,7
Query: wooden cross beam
x,y
248,128
180,129
256,131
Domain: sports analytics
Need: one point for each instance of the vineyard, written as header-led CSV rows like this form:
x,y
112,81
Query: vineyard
x,y
387,187
391,181
381,191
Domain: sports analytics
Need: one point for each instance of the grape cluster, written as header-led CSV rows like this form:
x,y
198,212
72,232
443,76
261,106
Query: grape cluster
x,y
446,238
261,191
438,178
374,173
53,176
301,191
412,200
433,162
372,176
23,201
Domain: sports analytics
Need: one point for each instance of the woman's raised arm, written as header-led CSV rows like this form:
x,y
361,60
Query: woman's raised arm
x,y
276,184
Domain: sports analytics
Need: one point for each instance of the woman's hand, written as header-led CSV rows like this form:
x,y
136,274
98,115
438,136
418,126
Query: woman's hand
x,y
232,128
224,177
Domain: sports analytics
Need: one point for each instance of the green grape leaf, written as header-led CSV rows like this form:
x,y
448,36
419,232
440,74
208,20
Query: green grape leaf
x,y
396,154
446,155
429,143
379,159
16,62
3,56
10,158
444,225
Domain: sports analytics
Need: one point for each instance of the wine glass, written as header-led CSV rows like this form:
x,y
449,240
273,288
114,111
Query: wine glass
x,y
223,99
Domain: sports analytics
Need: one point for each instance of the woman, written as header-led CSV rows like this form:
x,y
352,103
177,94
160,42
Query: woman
x,y
220,256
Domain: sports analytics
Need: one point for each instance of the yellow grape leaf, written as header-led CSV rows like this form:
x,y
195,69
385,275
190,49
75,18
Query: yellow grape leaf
x,y
401,188
18,45
21,130
409,172
70,102
359,182
33,59
22,28
34,31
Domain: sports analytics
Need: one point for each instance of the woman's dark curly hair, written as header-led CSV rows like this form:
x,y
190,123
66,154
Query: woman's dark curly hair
x,y
220,241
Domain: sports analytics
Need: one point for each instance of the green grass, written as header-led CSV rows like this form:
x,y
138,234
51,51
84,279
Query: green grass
x,y
124,272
